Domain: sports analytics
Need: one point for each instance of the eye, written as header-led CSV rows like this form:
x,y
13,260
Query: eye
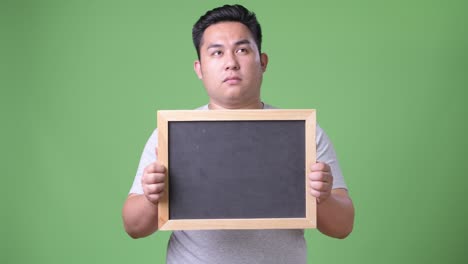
x,y
242,50
217,53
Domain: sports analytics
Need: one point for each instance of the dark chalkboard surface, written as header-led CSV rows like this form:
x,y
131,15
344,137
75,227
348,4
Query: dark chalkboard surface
x,y
233,167
235,172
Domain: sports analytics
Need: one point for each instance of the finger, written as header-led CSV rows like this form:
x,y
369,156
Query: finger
x,y
154,188
320,176
320,166
155,167
320,186
320,196
150,168
153,178
155,198
315,193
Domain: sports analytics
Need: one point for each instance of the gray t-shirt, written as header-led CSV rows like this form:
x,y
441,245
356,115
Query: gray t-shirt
x,y
240,246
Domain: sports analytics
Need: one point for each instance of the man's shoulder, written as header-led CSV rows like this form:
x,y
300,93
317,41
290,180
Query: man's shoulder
x,y
203,107
267,106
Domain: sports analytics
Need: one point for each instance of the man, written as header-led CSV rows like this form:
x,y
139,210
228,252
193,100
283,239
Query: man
x,y
231,66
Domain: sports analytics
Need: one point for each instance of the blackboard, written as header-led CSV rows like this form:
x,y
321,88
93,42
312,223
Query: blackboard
x,y
236,169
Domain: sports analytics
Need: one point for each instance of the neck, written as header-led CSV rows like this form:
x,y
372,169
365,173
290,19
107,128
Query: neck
x,y
255,105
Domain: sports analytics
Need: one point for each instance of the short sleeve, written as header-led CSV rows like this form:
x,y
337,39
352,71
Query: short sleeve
x,y
326,154
147,157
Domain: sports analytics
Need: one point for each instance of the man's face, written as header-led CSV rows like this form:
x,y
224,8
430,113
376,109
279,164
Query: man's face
x,y
230,65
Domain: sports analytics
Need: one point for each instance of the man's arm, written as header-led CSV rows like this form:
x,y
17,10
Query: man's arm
x,y
335,210
335,215
140,216
140,211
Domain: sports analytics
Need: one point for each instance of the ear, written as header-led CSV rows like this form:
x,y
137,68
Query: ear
x,y
197,69
264,61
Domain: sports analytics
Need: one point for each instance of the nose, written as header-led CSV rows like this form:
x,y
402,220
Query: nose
x,y
232,63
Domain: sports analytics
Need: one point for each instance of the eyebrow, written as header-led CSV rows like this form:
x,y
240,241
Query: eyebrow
x,y
237,43
242,42
213,46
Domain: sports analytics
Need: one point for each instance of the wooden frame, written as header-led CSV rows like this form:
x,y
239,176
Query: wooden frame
x,y
165,117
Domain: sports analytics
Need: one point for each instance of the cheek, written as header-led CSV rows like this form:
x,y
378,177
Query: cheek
x,y
254,65
256,72
210,77
209,69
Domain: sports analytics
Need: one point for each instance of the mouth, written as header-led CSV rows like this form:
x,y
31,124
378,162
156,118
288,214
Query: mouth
x,y
232,80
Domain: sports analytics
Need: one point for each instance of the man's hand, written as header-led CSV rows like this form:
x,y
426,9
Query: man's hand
x,y
152,181
321,181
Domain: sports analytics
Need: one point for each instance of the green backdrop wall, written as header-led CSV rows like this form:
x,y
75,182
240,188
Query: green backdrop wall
x,y
81,82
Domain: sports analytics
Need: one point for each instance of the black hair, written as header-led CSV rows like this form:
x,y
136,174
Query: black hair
x,y
227,13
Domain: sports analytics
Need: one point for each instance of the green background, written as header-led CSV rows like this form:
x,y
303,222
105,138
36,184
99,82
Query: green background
x,y
81,82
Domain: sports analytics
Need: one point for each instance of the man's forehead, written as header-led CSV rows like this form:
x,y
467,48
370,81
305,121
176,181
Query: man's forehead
x,y
227,33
